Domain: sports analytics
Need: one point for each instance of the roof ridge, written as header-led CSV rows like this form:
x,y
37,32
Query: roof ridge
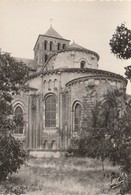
x,y
52,32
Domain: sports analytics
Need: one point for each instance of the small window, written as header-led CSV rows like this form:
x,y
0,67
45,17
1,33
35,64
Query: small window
x,y
49,84
64,46
51,46
55,83
19,120
45,145
59,46
82,65
45,45
53,145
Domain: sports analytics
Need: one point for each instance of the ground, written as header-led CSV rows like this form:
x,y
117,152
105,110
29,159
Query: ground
x,y
65,176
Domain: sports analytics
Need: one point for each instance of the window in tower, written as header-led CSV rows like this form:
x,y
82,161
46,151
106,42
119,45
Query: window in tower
x,y
51,46
50,111
64,46
59,46
45,45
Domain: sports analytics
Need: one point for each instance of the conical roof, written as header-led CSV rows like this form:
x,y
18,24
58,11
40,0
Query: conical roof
x,y
52,33
75,45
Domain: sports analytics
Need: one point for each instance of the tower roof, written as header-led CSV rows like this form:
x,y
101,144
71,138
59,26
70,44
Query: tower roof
x,y
52,33
75,45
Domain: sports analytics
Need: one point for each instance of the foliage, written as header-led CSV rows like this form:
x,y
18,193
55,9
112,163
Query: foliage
x,y
15,190
19,120
12,74
108,135
121,42
128,72
11,155
121,45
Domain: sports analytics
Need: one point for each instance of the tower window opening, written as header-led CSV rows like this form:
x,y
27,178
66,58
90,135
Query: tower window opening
x,y
45,45
64,46
59,46
51,46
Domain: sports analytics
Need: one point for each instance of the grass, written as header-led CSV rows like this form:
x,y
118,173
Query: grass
x,y
65,176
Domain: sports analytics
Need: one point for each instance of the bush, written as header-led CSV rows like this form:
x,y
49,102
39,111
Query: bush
x,y
11,155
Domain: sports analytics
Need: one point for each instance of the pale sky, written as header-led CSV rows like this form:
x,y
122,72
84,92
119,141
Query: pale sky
x,y
90,23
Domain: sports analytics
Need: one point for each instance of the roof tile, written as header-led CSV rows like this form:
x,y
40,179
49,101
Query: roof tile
x,y
52,33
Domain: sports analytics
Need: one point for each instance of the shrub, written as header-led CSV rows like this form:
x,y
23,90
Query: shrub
x,y
11,155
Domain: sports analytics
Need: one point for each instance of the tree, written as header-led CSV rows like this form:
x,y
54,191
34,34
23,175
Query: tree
x,y
12,75
100,133
108,134
121,45
121,42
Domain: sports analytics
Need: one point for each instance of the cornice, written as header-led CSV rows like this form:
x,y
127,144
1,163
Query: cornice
x,y
95,77
97,73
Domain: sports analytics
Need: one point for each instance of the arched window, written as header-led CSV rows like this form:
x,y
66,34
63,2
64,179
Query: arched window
x,y
59,46
19,119
45,45
45,145
51,46
77,117
64,45
53,145
46,57
83,63
50,111
55,83
49,84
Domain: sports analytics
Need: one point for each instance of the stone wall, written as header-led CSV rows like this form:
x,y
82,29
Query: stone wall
x,y
72,59
87,93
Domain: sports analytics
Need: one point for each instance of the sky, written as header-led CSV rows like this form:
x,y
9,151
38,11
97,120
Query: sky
x,y
90,24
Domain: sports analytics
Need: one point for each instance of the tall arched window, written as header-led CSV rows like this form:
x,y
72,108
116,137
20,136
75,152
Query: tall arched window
x,y
77,117
50,111
45,45
51,46
83,63
19,119
59,46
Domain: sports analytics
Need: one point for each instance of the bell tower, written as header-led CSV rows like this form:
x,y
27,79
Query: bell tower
x,y
47,44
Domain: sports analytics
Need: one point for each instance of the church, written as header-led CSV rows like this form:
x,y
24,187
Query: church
x,y
63,77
